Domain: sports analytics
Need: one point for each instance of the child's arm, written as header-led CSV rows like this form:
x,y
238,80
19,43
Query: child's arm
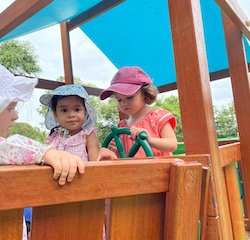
x,y
92,146
19,150
167,142
94,153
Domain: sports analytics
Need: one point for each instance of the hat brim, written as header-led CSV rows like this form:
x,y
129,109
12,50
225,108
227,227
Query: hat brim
x,y
121,88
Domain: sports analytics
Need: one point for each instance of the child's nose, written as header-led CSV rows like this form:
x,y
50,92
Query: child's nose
x,y
71,114
14,116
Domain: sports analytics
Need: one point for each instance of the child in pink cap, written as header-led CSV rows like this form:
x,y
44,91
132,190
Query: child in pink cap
x,y
133,89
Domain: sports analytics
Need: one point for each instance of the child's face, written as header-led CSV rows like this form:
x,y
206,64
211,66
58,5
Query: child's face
x,y
131,104
70,112
7,117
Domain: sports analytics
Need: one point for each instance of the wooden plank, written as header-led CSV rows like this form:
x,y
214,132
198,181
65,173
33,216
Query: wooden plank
x,y
67,62
185,190
11,226
234,202
18,12
212,228
235,13
230,153
241,93
195,97
144,214
142,177
72,221
204,201
93,12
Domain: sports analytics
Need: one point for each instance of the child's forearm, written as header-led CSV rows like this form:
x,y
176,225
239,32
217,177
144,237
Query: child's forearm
x,y
163,144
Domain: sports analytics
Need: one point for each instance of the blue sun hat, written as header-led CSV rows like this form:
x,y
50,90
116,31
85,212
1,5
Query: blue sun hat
x,y
68,90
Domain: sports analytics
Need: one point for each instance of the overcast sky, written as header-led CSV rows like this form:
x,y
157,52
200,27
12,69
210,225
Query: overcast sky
x,y
89,63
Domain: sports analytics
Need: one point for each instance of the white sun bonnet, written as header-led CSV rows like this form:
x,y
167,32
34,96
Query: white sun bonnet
x,y
14,88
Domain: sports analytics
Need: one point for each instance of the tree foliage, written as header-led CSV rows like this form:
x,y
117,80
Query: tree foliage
x,y
225,120
26,130
19,57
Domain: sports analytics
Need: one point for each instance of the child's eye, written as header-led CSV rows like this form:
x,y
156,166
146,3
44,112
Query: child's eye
x,y
64,110
78,109
130,97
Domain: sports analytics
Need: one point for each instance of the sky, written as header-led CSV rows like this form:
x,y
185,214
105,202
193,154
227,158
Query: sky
x,y
90,62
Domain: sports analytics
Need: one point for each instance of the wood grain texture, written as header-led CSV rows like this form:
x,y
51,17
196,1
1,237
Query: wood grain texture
x,y
233,192
230,153
138,217
236,15
185,191
195,97
67,62
212,228
241,94
18,12
76,219
11,224
145,176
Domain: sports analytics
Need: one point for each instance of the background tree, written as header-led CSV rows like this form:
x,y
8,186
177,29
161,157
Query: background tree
x,y
172,105
225,120
19,57
26,130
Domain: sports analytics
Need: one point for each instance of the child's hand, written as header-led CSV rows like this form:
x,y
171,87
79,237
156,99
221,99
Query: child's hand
x,y
65,165
135,131
106,153
112,146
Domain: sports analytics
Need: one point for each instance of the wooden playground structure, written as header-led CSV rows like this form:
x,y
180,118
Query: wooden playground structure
x,y
152,198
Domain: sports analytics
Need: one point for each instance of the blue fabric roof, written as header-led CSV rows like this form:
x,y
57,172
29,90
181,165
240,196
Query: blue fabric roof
x,y
136,33
56,12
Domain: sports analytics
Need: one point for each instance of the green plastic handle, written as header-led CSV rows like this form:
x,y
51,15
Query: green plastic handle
x,y
141,141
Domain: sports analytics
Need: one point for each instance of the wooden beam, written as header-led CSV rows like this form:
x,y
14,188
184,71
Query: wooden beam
x,y
18,12
230,154
67,62
235,13
142,177
195,98
93,12
241,93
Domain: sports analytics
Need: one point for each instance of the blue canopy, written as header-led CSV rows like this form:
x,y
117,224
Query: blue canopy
x,y
136,33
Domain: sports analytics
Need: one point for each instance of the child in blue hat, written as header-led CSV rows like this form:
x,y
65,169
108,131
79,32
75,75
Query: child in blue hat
x,y
72,120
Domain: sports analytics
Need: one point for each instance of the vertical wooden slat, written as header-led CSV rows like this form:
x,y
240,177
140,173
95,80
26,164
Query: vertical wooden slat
x,y
195,97
69,221
204,200
11,224
234,202
185,191
241,92
68,72
138,217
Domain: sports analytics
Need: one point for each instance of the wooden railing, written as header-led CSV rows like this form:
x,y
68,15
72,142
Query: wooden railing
x,y
151,199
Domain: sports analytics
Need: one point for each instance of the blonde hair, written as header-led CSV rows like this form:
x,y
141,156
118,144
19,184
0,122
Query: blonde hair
x,y
150,93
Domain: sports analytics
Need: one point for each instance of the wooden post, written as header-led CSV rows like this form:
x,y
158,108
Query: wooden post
x,y
241,92
195,98
68,72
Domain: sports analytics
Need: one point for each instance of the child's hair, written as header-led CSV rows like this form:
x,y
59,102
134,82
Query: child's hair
x,y
56,98
150,93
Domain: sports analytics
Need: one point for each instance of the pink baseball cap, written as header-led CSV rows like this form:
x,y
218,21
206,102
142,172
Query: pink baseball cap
x,y
127,81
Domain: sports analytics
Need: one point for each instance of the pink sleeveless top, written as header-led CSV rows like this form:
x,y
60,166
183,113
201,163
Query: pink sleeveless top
x,y
153,122
75,144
